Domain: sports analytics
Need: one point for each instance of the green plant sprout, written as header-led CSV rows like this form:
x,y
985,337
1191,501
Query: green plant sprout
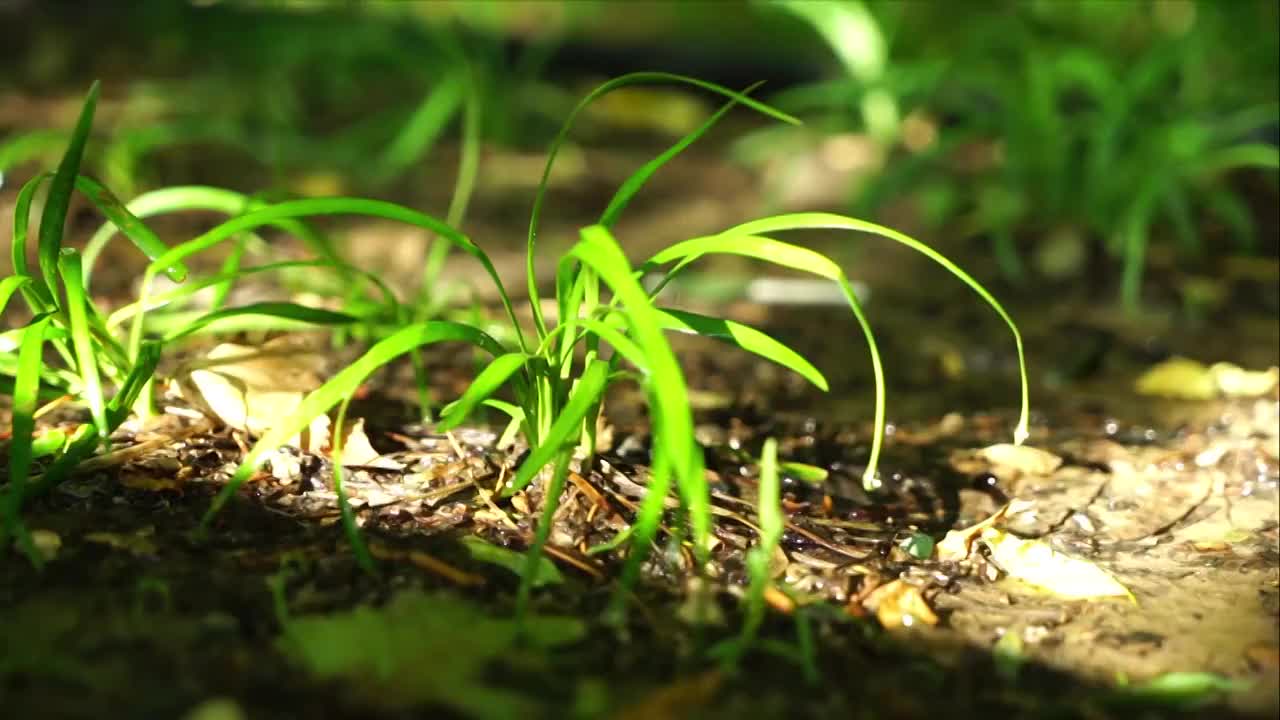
x,y
1092,141
557,376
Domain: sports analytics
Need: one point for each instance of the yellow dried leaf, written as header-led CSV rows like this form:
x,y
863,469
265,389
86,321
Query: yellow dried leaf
x,y
252,388
1034,562
1178,378
1189,380
1022,458
357,450
958,544
1234,381
898,604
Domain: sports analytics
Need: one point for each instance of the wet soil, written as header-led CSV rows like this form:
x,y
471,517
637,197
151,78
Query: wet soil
x,y
134,613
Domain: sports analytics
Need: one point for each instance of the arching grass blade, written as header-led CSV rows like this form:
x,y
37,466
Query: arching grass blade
x,y
566,427
485,384
745,337
54,217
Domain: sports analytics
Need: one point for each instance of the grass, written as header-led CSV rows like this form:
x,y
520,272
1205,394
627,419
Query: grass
x,y
1118,125
607,329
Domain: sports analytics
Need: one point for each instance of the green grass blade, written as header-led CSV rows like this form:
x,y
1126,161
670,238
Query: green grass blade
x,y
343,384
534,556
485,384
668,393
1249,155
121,404
283,310
38,294
566,427
54,217
624,345
25,146
128,224
191,287
349,527
799,221
643,532
338,206
9,286
82,444
25,396
637,180
745,337
806,260
639,78
423,128
81,340
201,197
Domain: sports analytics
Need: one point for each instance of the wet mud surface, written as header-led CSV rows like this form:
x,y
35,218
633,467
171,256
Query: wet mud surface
x,y
134,612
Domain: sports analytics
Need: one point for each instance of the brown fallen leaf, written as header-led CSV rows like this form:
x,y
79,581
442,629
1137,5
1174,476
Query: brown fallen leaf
x,y
251,389
1022,458
899,604
1187,379
357,450
1031,561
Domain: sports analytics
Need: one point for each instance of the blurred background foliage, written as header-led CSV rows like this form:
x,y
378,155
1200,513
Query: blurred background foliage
x,y
1056,136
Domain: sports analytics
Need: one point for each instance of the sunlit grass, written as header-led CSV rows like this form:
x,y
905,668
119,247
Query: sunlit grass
x,y
608,329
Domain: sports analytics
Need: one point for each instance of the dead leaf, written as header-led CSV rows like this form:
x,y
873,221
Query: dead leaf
x,y
958,544
140,543
898,604
1177,377
1031,561
1235,381
1034,562
1186,379
251,389
357,450
47,543
1022,458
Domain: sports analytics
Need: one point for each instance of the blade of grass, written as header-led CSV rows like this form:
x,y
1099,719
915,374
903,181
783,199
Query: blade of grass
x,y
668,394
191,287
363,558
9,286
638,179
769,515
423,127
128,224
550,503
54,217
829,221
343,384
745,337
332,206
485,384
284,310
38,294
566,426
25,396
200,197
805,260
639,78
81,341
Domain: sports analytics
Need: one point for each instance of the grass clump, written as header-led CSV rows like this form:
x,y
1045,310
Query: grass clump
x,y
1104,132
607,328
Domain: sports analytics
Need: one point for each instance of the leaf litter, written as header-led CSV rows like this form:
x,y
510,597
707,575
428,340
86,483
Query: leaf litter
x,y
1074,505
